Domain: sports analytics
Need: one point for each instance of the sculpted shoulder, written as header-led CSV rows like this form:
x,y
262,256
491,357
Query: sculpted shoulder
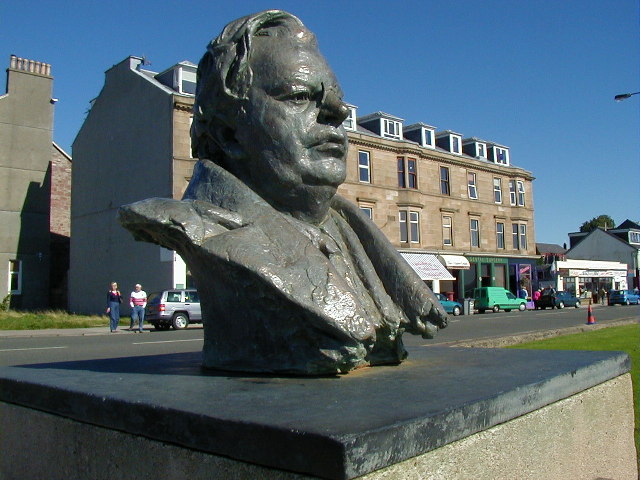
x,y
169,222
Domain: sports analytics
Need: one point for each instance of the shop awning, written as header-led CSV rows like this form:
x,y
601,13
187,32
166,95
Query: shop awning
x,y
427,266
454,261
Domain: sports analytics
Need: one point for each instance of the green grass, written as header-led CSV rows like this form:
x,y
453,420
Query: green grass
x,y
13,320
625,338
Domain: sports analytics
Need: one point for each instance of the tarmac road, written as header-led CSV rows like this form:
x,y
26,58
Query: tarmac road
x,y
19,347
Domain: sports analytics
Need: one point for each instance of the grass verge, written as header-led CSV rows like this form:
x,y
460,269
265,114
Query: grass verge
x,y
625,338
13,320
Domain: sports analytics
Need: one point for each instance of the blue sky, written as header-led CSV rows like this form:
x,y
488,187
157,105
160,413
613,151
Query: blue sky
x,y
538,76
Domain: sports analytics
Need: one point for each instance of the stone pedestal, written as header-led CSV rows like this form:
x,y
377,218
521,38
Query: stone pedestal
x,y
444,413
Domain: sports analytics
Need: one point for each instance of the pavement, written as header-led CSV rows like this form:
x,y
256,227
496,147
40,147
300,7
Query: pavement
x,y
65,332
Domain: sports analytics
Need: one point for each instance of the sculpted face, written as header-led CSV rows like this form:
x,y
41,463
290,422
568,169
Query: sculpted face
x,y
291,127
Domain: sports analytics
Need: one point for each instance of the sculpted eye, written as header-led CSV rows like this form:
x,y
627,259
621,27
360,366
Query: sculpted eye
x,y
299,97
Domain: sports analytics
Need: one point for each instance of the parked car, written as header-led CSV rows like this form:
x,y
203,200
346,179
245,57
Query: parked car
x,y
496,299
624,297
175,308
449,305
558,300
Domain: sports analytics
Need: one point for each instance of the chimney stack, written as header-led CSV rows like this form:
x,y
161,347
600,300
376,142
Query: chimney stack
x,y
31,66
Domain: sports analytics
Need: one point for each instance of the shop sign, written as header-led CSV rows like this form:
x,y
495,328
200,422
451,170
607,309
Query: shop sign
x,y
595,273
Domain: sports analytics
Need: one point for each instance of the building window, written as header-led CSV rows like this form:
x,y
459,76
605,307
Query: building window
x,y
474,227
520,193
502,156
523,236
444,181
500,235
471,181
364,167
481,150
455,144
15,277
634,237
447,231
391,128
515,236
407,173
350,122
368,211
512,192
409,226
497,190
428,137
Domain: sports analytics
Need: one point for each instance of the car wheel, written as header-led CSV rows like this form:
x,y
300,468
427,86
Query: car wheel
x,y
560,305
522,307
180,321
456,311
626,302
577,304
496,308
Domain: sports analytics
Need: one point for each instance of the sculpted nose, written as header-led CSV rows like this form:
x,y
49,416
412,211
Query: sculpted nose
x,y
333,110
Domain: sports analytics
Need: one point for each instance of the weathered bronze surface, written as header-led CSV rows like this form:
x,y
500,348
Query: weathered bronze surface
x,y
292,277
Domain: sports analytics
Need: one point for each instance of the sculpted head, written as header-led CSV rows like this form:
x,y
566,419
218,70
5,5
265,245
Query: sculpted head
x,y
269,110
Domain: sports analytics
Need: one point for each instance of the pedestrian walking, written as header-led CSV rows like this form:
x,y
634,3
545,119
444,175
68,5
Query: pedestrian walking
x,y
114,299
603,296
137,302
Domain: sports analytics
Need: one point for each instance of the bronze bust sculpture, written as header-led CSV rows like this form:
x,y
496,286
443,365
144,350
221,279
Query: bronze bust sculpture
x,y
292,277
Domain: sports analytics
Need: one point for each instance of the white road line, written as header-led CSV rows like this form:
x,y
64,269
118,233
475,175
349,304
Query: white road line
x,y
169,341
25,349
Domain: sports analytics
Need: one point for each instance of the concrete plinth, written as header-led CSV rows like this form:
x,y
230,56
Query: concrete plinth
x,y
445,413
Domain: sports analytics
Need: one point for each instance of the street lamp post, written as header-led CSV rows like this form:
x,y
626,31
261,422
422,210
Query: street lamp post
x,y
622,96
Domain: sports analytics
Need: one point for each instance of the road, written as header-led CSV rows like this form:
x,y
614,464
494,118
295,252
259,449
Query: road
x,y
43,347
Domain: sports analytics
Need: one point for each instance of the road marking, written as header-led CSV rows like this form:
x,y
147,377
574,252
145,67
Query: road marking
x,y
170,341
24,349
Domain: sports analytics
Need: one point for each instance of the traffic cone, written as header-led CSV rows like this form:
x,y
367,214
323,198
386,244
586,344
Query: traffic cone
x,y
590,318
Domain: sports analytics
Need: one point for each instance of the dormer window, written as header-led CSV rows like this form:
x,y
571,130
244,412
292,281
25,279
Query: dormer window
x,y
181,77
482,150
474,147
391,128
450,141
424,135
634,237
502,156
350,122
498,154
428,137
455,144
382,124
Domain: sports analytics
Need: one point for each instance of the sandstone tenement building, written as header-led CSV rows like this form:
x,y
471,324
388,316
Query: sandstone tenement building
x,y
456,207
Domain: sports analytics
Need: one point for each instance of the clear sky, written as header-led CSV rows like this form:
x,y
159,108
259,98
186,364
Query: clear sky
x,y
538,76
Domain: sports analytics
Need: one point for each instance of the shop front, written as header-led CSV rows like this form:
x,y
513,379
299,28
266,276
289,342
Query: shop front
x,y
522,275
589,279
483,272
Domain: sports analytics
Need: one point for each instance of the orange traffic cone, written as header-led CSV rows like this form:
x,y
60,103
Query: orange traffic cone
x,y
590,318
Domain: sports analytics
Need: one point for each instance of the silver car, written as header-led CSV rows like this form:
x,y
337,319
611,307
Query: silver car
x,y
175,308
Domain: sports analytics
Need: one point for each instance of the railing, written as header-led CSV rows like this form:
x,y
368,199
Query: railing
x,y
27,65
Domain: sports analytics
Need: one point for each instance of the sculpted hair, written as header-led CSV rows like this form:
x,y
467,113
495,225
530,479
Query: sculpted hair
x,y
223,80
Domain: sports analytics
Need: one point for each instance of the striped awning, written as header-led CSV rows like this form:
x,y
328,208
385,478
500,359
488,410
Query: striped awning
x,y
427,266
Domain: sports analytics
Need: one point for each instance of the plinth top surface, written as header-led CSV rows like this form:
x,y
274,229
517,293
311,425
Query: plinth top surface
x,y
334,427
